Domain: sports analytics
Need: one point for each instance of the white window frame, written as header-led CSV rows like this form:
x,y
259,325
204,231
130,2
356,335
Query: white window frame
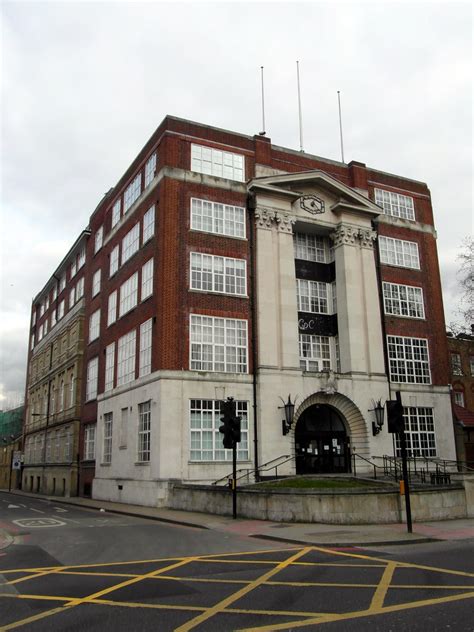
x,y
420,432
112,308
107,438
144,432
126,352
459,398
215,162
218,344
128,295
145,348
313,297
109,367
116,212
147,280
62,282
317,353
220,275
92,379
81,257
399,252
61,310
73,267
132,192
206,440
403,300
114,260
148,224
89,442
409,360
150,169
456,363
309,247
217,218
94,325
80,288
98,239
72,297
131,243
96,278
395,204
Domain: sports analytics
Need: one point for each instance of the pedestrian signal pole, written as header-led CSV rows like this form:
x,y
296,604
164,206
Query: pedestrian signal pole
x,y
396,424
231,430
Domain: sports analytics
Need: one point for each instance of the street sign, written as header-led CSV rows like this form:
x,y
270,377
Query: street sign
x,y
16,460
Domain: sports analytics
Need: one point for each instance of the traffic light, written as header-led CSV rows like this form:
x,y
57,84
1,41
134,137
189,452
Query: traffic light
x,y
231,424
396,423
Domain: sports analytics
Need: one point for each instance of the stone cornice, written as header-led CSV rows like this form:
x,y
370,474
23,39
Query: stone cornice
x,y
267,218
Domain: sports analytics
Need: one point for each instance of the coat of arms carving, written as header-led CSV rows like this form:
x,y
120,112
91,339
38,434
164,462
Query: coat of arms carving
x,y
312,204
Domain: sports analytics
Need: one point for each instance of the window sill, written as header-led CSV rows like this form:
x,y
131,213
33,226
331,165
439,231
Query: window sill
x,y
208,232
216,293
141,463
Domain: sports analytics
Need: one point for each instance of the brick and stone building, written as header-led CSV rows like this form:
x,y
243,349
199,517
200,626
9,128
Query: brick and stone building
x,y
223,265
461,353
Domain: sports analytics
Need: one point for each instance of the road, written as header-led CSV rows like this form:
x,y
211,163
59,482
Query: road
x,y
68,568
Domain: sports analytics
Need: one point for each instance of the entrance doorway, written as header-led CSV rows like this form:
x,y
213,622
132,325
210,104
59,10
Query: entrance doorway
x,y
321,442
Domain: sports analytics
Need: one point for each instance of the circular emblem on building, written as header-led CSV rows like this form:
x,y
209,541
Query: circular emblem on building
x,y
312,204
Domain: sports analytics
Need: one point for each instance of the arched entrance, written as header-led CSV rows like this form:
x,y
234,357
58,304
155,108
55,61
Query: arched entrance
x,y
321,441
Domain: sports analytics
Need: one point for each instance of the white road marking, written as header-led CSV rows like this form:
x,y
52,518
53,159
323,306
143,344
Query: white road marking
x,y
37,510
60,509
33,523
13,507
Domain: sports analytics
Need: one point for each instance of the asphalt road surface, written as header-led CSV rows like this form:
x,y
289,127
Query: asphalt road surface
x,y
68,568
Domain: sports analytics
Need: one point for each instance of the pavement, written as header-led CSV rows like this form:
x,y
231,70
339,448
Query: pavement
x,y
329,535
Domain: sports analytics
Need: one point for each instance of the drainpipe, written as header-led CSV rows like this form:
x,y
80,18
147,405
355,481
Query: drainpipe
x,y
253,333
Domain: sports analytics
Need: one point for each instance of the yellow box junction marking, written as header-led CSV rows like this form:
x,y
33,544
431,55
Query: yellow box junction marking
x,y
246,586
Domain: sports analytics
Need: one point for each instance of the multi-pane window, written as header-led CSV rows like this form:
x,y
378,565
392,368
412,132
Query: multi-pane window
x,y
218,274
94,325
89,442
218,344
96,283
72,297
212,217
132,192
315,352
130,243
55,293
456,366
150,168
114,260
419,432
395,204
147,280
403,300
62,282
112,308
61,396
128,294
109,367
99,239
398,252
81,258
459,398
73,267
215,162
144,431
68,445
313,248
409,361
312,296
61,310
54,319
149,224
116,212
45,326
107,445
91,380
80,288
145,348
72,389
206,440
126,358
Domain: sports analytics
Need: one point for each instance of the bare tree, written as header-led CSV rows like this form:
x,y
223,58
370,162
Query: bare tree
x,y
466,282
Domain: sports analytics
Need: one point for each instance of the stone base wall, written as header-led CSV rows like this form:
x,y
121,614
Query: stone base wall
x,y
131,492
355,507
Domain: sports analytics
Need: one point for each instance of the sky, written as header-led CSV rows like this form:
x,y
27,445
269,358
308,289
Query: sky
x,y
84,85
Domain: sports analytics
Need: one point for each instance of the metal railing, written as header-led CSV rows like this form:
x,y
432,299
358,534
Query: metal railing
x,y
248,472
362,458
435,470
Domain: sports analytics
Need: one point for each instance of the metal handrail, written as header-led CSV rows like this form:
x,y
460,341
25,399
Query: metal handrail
x,y
359,456
248,471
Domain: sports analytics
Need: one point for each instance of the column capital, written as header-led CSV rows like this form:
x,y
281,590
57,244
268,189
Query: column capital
x,y
347,235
